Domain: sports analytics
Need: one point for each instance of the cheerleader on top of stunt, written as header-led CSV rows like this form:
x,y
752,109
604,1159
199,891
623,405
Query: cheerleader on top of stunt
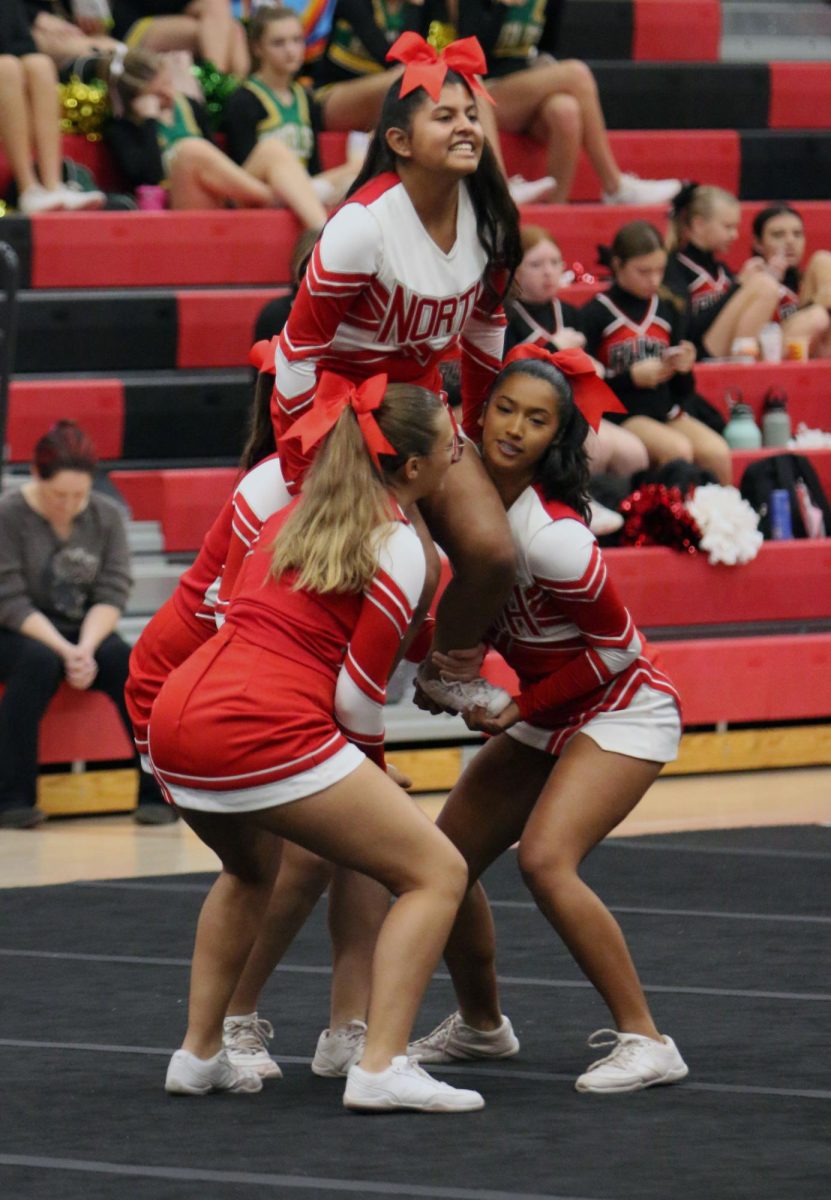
x,y
274,729
570,755
413,263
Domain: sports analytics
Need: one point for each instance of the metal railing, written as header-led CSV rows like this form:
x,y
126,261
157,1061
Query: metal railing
x,y
9,276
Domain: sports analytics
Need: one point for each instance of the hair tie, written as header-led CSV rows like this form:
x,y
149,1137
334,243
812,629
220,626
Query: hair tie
x,y
426,67
117,60
334,394
592,396
683,198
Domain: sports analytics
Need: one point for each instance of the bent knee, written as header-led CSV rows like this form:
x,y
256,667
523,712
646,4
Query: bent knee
x,y
764,285
563,110
541,866
578,75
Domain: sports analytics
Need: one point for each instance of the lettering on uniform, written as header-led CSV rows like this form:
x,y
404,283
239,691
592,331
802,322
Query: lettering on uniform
x,y
622,355
411,318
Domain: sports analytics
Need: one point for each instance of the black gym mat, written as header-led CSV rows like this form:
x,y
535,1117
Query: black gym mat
x,y
730,931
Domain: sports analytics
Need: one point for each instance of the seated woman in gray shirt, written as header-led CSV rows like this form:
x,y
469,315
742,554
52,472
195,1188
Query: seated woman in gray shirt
x,y
64,581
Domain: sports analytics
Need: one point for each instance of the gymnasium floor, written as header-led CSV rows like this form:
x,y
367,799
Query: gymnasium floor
x,y
727,918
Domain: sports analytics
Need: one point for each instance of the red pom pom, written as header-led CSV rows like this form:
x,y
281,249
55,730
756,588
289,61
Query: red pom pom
x,y
655,515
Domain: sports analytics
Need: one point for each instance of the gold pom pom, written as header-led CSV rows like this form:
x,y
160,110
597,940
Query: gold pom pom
x,y
84,107
441,34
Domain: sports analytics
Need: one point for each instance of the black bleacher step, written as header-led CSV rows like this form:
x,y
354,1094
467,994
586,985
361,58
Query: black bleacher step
x,y
787,164
647,95
186,414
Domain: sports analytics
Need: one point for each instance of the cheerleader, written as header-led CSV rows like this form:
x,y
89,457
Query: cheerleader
x,y
538,317
416,259
720,306
575,750
804,296
272,104
636,334
274,729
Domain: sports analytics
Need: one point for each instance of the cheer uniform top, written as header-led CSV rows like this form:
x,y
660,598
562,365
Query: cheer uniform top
x,y
788,295
704,284
533,324
379,296
573,644
198,605
288,697
621,330
362,33
255,113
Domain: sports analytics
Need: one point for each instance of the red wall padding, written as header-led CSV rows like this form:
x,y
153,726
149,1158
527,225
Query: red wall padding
x,y
807,385
677,30
191,500
216,329
96,404
800,95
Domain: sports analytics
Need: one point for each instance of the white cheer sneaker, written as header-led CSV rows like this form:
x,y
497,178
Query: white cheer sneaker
x,y
458,696
337,1049
454,1040
635,1062
404,1085
188,1075
246,1039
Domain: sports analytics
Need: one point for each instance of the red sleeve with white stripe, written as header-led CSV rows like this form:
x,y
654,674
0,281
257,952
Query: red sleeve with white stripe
x,y
342,266
260,493
566,562
385,616
482,344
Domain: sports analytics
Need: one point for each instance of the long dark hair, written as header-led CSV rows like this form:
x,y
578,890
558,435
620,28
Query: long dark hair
x,y
563,471
497,217
767,214
260,440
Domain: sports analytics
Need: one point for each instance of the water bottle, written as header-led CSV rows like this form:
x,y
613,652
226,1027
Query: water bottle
x,y
776,424
741,432
770,342
781,526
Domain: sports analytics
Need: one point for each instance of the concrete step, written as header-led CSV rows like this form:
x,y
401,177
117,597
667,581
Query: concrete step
x,y
767,30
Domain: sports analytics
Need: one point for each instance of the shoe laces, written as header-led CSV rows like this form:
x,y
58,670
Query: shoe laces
x,y
352,1033
442,1034
411,1067
623,1052
250,1037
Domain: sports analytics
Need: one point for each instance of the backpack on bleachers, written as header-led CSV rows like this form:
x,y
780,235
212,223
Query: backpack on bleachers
x,y
795,474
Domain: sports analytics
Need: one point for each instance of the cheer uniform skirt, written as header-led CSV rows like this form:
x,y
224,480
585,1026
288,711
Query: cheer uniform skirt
x,y
238,728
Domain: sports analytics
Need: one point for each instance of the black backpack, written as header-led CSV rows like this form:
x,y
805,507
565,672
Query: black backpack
x,y
784,471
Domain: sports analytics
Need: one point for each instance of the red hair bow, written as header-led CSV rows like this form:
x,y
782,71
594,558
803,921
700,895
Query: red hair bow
x,y
333,395
261,355
426,67
591,395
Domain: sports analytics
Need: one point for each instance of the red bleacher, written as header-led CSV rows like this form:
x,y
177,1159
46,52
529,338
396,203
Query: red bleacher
x,y
81,727
800,95
96,404
677,30
185,501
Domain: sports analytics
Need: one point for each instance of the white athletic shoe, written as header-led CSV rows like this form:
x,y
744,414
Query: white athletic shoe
x,y
633,190
453,1039
405,1085
188,1075
604,520
246,1041
75,199
337,1049
478,693
38,199
526,191
635,1062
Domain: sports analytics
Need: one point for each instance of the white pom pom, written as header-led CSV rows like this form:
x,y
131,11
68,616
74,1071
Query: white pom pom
x,y
729,525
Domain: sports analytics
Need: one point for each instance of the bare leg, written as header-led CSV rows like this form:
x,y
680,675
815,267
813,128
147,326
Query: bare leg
x,y
615,450
278,167
217,40
358,907
589,792
300,883
42,92
15,128
662,442
179,32
356,103
201,176
468,521
709,448
816,282
743,315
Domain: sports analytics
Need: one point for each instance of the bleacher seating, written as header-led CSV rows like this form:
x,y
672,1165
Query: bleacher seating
x,y
138,325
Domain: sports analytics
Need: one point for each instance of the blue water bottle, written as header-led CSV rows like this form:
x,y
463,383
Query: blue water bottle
x,y
781,527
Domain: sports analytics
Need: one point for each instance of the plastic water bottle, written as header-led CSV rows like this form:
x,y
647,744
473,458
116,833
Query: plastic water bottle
x,y
741,432
781,526
770,342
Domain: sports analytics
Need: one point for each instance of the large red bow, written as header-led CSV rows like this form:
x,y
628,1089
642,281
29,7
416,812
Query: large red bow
x,y
333,395
261,355
426,67
591,395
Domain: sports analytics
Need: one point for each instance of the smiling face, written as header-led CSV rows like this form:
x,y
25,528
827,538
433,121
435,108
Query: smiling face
x,y
444,137
282,46
538,275
520,422
641,276
782,236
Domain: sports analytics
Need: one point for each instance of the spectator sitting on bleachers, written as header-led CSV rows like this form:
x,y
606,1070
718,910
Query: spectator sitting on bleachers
x,y
68,31
537,316
272,106
159,135
206,28
64,581
29,120
554,102
721,307
804,296
637,335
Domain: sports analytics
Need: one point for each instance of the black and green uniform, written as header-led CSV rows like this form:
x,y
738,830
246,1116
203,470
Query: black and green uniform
x,y
255,112
362,33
